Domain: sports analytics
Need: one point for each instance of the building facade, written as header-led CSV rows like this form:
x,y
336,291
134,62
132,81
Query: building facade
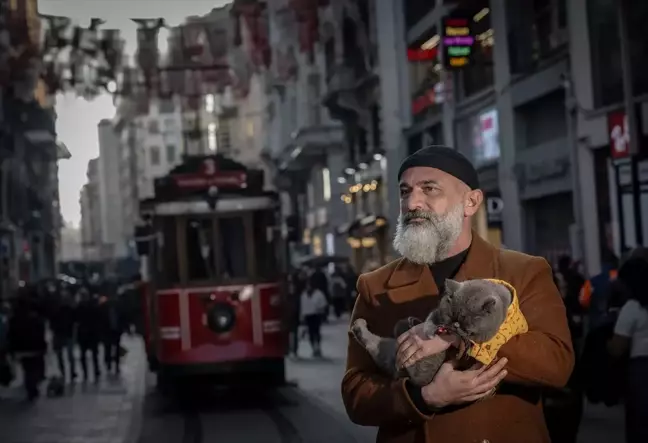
x,y
507,109
324,119
91,215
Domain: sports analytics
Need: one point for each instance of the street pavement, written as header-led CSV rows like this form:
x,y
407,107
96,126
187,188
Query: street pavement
x,y
106,412
129,410
307,410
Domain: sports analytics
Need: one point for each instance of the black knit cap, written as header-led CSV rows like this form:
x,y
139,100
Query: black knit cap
x,y
445,159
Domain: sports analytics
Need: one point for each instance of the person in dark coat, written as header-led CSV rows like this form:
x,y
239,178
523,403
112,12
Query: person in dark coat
x,y
26,343
112,328
89,333
62,323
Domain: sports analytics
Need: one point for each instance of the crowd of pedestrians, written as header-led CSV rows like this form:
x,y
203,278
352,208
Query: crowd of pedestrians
x,y
316,293
55,319
608,319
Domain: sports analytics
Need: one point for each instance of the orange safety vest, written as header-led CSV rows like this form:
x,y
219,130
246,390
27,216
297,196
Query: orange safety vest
x,y
585,296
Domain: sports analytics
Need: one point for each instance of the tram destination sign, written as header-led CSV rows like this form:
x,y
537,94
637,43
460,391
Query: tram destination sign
x,y
223,179
207,173
458,41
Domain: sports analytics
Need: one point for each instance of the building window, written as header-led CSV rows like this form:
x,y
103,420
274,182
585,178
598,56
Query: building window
x,y
166,106
170,153
249,128
326,184
479,75
425,76
154,127
169,125
415,10
538,33
210,103
154,152
211,137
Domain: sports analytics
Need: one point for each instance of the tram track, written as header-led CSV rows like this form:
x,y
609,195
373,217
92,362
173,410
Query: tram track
x,y
286,431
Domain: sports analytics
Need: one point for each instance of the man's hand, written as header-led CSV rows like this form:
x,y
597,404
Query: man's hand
x,y
413,345
451,387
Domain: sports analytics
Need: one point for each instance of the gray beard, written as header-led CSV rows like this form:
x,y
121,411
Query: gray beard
x,y
431,240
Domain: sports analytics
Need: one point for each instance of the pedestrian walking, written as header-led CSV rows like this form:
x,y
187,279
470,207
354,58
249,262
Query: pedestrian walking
x,y
27,344
112,328
62,324
313,303
630,342
89,333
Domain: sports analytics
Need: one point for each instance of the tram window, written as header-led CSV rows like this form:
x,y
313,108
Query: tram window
x,y
169,274
233,252
265,245
200,249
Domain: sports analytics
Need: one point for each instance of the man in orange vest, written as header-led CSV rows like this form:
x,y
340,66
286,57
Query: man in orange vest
x,y
595,293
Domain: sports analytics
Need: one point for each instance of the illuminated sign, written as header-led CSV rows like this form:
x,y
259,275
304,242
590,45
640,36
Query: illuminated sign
x,y
457,41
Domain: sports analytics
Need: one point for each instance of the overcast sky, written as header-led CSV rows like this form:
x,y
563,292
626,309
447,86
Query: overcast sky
x,y
77,118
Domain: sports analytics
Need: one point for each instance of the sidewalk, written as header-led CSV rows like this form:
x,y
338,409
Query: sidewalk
x,y
108,412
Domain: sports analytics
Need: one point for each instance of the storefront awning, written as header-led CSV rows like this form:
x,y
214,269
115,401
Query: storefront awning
x,y
365,226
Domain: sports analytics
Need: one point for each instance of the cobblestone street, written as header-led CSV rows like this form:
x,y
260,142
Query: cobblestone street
x,y
107,412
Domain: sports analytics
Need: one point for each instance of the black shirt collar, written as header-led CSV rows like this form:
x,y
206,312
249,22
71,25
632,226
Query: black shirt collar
x,y
447,268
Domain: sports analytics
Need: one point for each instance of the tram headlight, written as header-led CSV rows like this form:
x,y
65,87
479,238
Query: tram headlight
x,y
246,293
221,318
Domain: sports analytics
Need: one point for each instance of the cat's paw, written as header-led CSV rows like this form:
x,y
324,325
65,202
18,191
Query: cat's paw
x,y
358,327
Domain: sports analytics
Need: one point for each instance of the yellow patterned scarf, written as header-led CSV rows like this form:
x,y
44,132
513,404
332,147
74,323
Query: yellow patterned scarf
x,y
514,324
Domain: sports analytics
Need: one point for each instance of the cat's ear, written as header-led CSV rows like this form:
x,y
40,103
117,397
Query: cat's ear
x,y
452,286
488,305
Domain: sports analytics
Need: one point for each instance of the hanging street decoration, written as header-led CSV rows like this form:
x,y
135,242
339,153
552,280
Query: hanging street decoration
x,y
84,60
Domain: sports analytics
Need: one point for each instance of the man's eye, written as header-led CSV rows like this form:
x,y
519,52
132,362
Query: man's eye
x,y
404,191
428,189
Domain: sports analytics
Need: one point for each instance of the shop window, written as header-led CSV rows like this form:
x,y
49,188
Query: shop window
x,y
542,120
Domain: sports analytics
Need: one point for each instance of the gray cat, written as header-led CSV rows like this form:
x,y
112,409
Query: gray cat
x,y
473,310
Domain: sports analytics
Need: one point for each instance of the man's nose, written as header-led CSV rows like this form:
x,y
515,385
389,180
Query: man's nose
x,y
415,201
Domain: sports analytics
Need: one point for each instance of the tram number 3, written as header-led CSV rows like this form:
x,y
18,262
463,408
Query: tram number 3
x,y
209,166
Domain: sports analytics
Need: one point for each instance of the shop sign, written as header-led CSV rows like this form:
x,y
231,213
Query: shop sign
x,y
486,146
619,135
432,96
458,41
494,207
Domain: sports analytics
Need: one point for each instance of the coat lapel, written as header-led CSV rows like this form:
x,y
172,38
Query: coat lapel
x,y
481,262
410,281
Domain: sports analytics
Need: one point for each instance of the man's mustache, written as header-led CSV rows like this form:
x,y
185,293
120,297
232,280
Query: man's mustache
x,y
418,214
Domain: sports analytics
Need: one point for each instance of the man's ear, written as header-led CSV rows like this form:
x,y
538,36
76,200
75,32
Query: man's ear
x,y
474,199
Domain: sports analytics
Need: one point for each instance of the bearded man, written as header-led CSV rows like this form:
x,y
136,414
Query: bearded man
x,y
439,194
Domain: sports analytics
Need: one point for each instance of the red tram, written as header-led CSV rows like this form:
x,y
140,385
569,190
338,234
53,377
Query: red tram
x,y
209,247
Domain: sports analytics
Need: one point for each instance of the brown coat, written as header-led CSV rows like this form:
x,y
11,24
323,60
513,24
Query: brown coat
x,y
542,357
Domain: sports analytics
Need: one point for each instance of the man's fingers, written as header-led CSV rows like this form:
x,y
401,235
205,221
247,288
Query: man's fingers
x,y
487,385
492,371
472,398
405,352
